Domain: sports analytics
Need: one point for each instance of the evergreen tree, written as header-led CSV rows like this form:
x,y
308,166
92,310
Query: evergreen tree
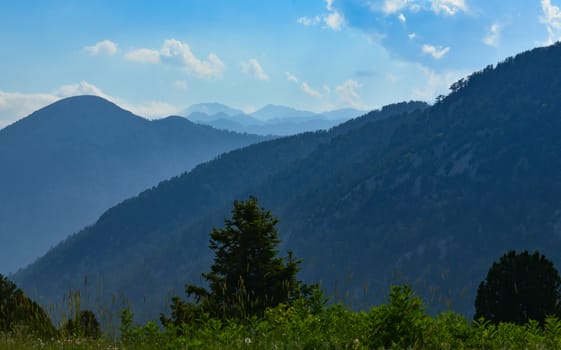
x,y
85,325
247,275
17,310
518,288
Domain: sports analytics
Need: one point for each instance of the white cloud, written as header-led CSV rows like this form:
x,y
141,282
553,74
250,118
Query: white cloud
x,y
175,52
308,90
309,21
254,69
105,47
16,105
414,8
334,20
81,88
152,109
180,84
402,18
143,56
435,52
448,7
411,36
348,94
437,83
492,38
291,77
552,20
393,6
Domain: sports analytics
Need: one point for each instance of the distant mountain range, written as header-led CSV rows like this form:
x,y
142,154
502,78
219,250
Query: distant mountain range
x,y
269,120
411,193
63,165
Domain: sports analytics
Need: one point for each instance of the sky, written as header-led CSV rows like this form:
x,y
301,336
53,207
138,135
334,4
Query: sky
x,y
157,58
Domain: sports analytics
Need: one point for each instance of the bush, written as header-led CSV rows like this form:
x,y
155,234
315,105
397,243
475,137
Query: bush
x,y
401,323
85,325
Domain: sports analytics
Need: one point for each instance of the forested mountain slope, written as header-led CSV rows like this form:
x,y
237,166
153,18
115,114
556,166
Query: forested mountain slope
x,y
432,197
133,247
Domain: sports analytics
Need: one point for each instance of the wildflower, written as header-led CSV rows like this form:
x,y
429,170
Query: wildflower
x,y
248,340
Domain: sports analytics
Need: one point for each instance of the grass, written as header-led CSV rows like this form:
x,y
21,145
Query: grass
x,y
401,323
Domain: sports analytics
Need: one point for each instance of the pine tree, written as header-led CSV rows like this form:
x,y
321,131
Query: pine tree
x,y
17,310
247,275
518,288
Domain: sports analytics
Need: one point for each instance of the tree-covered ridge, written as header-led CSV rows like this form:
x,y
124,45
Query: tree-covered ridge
x,y
431,196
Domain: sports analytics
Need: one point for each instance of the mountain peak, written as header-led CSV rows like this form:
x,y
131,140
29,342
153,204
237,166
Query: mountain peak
x,y
82,109
82,101
211,108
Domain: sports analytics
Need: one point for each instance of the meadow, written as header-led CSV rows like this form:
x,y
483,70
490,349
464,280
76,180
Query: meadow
x,y
400,323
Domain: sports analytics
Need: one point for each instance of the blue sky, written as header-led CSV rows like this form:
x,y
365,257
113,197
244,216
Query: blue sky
x,y
157,58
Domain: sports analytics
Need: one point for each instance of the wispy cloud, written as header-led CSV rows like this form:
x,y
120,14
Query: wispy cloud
x,y
493,36
177,53
334,20
15,105
402,17
393,6
180,84
435,52
309,21
348,94
254,69
448,7
102,48
143,56
552,20
445,7
309,90
436,83
291,77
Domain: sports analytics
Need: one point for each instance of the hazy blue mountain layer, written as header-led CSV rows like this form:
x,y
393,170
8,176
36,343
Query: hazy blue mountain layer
x,y
269,120
63,165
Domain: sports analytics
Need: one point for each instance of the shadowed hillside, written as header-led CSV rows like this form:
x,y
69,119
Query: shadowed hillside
x,y
65,164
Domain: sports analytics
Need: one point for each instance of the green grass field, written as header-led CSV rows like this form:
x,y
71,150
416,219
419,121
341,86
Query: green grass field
x,y
401,323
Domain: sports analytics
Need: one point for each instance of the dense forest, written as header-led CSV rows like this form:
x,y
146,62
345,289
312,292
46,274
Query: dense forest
x,y
410,193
